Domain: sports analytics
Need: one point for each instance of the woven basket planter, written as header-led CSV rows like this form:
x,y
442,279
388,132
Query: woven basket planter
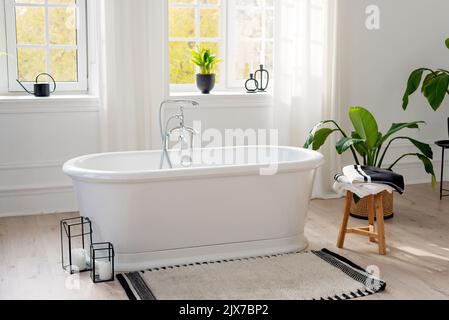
x,y
360,210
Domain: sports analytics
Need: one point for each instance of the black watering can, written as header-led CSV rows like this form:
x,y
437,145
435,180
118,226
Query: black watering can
x,y
41,89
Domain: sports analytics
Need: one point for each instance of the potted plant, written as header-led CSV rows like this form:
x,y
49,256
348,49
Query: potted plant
x,y
206,61
435,86
369,147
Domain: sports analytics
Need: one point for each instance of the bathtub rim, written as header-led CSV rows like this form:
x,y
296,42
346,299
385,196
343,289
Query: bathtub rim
x,y
70,168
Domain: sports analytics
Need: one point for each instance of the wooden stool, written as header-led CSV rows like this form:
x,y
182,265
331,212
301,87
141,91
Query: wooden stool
x,y
375,208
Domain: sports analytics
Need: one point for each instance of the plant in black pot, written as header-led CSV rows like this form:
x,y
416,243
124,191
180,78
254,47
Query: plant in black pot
x,y
206,61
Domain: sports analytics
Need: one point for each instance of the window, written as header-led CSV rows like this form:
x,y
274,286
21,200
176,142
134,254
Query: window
x,y
47,36
241,32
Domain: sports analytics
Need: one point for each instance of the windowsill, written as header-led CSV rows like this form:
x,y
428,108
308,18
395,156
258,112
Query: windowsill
x,y
220,93
57,97
58,103
220,99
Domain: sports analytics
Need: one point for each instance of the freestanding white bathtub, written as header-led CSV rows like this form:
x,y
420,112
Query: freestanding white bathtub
x,y
205,212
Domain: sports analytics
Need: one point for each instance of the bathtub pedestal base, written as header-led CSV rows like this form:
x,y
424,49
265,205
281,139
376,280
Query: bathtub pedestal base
x,y
148,260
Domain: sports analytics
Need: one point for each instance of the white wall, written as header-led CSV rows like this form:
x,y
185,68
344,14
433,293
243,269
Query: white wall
x,y
36,138
376,65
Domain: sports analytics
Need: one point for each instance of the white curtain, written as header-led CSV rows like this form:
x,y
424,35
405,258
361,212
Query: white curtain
x,y
131,55
306,77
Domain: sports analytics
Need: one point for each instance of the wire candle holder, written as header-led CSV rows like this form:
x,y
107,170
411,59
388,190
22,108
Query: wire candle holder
x,y
102,262
76,238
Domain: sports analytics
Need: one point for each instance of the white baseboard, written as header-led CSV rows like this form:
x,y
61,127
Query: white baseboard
x,y
37,200
414,172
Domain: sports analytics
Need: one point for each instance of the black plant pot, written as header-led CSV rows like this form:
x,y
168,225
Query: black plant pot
x,y
205,82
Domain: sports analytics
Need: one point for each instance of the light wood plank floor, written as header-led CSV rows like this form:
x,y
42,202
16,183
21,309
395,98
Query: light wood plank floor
x,y
416,267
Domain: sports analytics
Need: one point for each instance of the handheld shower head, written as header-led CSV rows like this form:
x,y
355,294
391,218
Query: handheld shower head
x,y
179,102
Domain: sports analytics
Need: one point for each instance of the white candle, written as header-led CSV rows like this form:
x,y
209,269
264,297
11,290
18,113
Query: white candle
x,y
79,259
103,269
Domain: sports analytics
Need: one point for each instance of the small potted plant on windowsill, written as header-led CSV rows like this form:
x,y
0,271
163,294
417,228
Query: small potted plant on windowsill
x,y
206,61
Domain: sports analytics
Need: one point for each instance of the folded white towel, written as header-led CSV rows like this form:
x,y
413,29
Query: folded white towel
x,y
366,174
362,190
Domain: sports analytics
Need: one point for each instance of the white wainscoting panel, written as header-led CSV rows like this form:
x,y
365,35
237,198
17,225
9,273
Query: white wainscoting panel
x,y
36,138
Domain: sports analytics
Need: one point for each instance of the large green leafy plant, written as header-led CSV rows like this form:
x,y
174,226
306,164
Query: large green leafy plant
x,y
205,59
435,86
367,144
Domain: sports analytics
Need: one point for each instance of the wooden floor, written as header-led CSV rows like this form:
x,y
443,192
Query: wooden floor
x,y
416,267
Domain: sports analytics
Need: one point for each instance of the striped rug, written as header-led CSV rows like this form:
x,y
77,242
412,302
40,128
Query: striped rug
x,y
313,275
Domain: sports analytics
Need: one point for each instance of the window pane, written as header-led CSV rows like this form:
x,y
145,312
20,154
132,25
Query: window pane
x,y
61,1
249,3
269,24
31,62
62,25
250,51
210,23
64,64
31,1
250,23
181,1
210,1
30,25
269,57
182,22
182,70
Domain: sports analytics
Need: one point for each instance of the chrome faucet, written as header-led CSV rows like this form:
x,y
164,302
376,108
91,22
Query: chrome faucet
x,y
181,129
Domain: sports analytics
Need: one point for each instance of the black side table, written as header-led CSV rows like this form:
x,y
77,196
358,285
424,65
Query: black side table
x,y
444,144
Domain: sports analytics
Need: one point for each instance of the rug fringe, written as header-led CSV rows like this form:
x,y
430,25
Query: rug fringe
x,y
225,261
354,271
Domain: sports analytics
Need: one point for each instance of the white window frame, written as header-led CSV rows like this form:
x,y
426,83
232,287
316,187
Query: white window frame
x,y
82,84
227,27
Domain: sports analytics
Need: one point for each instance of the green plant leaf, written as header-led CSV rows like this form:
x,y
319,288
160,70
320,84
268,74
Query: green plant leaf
x,y
436,90
311,136
365,125
428,166
425,148
413,84
345,143
396,127
428,79
359,147
204,59
447,43
320,137
308,142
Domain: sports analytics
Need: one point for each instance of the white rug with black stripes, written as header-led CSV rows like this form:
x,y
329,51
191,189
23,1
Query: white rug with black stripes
x,y
295,276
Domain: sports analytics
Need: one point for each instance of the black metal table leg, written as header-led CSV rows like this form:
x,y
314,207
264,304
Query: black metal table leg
x,y
442,175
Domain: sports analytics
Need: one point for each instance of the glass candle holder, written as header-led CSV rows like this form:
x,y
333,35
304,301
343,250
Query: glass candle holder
x,y
76,238
102,262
